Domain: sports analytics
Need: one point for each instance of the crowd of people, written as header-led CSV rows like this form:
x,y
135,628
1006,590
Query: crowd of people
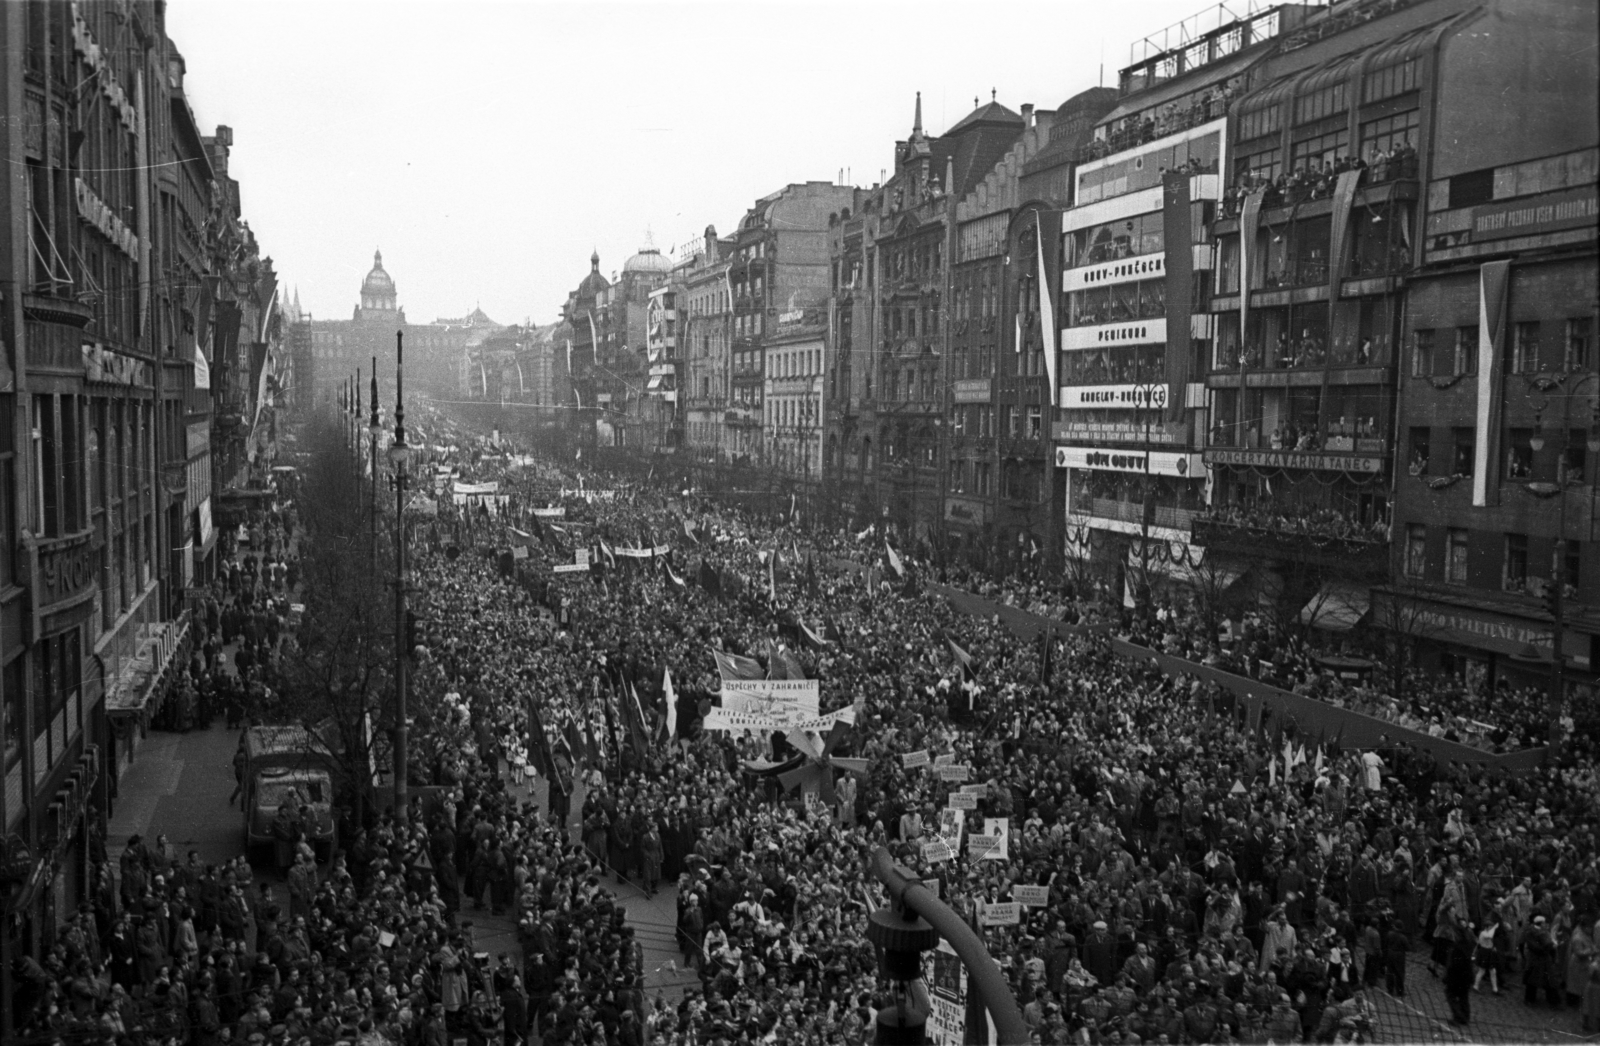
x,y
1204,881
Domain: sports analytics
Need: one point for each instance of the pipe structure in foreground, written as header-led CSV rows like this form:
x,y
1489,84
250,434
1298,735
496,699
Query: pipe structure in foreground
x,y
984,975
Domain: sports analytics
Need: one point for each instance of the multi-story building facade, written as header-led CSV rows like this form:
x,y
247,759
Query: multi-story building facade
x,y
610,369
891,251
113,257
1135,333
661,385
777,262
1313,244
705,336
999,476
1498,433
796,355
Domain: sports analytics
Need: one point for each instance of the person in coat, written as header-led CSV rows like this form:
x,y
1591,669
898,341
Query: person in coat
x,y
650,850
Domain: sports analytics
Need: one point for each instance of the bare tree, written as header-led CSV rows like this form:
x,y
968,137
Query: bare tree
x,y
337,674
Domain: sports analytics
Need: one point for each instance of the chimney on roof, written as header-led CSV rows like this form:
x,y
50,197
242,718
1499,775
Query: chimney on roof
x,y
1027,114
949,174
916,123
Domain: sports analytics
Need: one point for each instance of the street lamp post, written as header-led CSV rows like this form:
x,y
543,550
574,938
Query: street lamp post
x,y
375,432
399,455
1555,599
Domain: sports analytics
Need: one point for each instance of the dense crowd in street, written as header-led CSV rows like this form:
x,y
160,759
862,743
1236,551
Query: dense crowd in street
x,y
1203,881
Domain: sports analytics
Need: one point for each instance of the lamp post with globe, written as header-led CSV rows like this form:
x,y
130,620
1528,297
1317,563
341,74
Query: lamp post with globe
x,y
399,456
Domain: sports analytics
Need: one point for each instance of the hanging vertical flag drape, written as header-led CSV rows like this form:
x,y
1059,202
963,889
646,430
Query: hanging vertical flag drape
x,y
1047,314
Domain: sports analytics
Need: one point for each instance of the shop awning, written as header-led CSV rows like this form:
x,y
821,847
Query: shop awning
x,y
1337,607
144,674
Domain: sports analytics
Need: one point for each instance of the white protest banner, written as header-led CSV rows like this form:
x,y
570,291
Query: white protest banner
x,y
558,512
956,773
937,852
945,759
1003,913
570,568
912,760
661,550
725,719
581,556
962,801
979,845
634,553
980,789
475,488
1000,829
823,723
733,719
519,552
1031,896
785,699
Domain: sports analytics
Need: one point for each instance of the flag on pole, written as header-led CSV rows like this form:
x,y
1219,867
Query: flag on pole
x,y
734,667
539,742
633,712
894,560
673,577
772,578
672,725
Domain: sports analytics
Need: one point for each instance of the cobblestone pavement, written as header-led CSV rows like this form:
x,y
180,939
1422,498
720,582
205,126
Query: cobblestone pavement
x,y
1423,1015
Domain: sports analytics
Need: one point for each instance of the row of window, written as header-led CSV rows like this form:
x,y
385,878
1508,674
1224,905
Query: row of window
x,y
1561,460
1514,575
1386,81
1536,346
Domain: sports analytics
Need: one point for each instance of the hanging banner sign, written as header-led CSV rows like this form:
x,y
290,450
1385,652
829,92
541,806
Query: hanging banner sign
x,y
912,760
1031,896
476,488
558,512
570,568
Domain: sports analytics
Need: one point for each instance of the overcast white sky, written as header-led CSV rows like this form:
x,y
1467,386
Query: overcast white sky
x,y
488,147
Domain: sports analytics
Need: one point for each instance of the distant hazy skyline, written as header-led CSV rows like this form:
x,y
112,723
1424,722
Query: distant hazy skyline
x,y
488,147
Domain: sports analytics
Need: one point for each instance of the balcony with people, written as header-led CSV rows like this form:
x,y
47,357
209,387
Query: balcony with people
x,y
1294,338
1131,497
1316,179
1337,526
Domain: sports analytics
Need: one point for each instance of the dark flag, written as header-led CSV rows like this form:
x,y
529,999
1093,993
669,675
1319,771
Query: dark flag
x,y
539,741
709,579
